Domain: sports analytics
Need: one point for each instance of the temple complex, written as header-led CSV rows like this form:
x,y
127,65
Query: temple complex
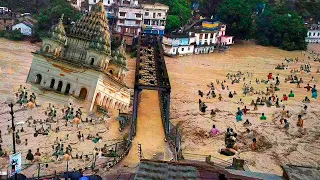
x,y
82,64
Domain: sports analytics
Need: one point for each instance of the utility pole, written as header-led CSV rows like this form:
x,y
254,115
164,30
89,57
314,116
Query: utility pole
x,y
13,133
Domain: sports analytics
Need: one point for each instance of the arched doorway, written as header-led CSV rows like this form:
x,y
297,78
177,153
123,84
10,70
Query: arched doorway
x,y
91,61
83,93
52,83
59,86
67,89
38,79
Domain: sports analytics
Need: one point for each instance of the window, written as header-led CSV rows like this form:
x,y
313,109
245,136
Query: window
x,y
188,48
201,35
309,33
138,15
108,1
182,49
318,34
94,1
205,36
154,15
138,22
122,14
314,34
110,71
146,21
159,14
146,13
121,21
229,40
173,50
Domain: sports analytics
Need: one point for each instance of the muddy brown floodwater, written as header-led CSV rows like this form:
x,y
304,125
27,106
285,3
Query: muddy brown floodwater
x,y
189,74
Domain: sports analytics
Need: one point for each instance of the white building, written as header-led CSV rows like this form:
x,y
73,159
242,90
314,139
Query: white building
x,y
203,37
25,27
154,19
313,35
130,17
178,44
82,64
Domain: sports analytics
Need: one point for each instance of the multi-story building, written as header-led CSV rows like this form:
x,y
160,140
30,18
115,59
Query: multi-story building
x,y
178,44
313,35
203,37
7,19
129,20
82,64
154,19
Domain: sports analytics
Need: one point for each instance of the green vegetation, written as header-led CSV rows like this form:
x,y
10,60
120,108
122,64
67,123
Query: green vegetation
x,y
14,35
47,12
179,13
50,15
278,28
238,15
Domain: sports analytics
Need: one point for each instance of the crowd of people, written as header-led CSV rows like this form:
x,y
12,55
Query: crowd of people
x,y
269,98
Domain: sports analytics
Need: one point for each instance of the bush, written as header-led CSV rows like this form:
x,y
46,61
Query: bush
x,y
14,35
2,33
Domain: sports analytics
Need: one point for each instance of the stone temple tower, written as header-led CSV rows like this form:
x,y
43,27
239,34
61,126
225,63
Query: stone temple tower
x,y
82,64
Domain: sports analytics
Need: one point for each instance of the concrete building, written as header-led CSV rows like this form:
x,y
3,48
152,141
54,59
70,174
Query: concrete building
x,y
202,37
25,27
154,19
82,64
7,19
178,44
313,33
129,20
76,3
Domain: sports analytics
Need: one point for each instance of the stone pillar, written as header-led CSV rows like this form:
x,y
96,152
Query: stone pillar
x,y
55,87
64,86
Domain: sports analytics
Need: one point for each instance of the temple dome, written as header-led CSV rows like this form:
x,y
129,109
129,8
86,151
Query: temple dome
x,y
58,32
93,27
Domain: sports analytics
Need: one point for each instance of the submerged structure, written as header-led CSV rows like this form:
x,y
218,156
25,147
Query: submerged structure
x,y
82,63
200,37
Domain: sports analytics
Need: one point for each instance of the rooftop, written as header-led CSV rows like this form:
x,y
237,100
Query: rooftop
x,y
301,172
313,26
193,170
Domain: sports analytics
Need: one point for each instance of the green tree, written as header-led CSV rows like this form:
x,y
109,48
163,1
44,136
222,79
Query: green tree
x,y
238,15
50,15
282,28
173,22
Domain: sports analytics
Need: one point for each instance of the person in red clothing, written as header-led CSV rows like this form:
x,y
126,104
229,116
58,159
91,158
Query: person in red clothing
x,y
245,110
285,97
269,76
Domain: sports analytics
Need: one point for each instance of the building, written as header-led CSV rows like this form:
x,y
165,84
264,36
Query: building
x,y
154,19
25,27
7,19
129,20
202,37
178,44
82,64
76,3
313,33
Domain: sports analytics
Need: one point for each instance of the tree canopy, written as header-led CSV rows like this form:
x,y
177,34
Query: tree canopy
x,y
50,15
280,28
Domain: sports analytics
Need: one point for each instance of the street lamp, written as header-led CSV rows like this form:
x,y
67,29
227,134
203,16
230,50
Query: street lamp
x,y
10,102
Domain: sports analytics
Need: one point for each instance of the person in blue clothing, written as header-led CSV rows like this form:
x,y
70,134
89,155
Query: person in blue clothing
x,y
314,92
